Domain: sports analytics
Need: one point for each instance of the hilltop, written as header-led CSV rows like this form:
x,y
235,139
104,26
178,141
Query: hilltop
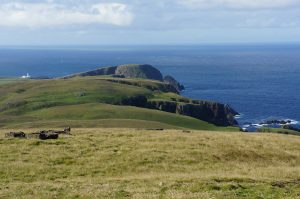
x,y
132,71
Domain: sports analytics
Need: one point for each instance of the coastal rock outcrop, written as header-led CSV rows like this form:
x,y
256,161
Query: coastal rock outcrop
x,y
43,135
289,127
172,81
212,112
143,71
139,71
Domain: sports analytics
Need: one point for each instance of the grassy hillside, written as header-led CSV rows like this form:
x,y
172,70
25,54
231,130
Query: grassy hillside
x,y
10,80
123,163
278,130
78,100
78,115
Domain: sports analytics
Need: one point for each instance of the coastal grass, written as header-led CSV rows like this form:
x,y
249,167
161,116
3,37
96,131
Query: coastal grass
x,y
4,81
136,163
106,115
38,94
278,130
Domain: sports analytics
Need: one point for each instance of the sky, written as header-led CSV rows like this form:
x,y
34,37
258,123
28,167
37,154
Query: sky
x,y
144,22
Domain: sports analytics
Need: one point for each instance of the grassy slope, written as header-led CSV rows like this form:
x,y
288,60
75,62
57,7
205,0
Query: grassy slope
x,y
10,80
278,130
106,111
120,163
51,100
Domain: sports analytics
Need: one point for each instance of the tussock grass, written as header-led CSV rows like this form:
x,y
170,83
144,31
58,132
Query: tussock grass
x,y
133,163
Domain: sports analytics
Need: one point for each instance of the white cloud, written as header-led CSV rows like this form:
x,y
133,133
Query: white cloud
x,y
239,4
52,14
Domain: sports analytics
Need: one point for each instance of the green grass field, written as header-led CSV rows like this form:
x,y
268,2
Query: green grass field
x,y
4,81
278,130
133,163
105,115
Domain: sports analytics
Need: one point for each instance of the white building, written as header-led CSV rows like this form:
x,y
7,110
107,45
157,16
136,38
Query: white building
x,y
26,76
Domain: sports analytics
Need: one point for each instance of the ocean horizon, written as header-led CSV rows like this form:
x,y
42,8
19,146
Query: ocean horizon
x,y
259,81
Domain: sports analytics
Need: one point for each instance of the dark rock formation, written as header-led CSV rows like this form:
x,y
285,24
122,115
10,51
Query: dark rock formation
x,y
172,81
48,135
278,122
138,101
139,71
212,112
16,135
289,127
43,135
143,71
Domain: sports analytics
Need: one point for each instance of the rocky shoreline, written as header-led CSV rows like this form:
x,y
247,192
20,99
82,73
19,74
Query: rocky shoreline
x,y
287,124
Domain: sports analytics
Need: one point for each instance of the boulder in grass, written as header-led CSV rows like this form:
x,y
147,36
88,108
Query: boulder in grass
x,y
48,135
16,135
43,135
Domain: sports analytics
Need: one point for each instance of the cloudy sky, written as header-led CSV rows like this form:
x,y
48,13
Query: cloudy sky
x,y
105,22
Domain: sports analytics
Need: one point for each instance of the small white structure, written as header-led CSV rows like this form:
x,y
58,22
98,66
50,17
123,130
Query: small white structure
x,y
26,76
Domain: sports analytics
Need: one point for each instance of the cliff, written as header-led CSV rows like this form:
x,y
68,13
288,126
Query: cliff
x,y
212,112
142,71
139,71
172,81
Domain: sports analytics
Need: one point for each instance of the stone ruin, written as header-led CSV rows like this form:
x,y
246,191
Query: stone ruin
x,y
43,135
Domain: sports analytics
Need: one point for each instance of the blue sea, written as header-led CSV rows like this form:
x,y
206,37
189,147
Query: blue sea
x,y
261,82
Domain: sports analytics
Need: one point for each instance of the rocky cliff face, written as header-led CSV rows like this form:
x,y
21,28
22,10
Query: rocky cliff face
x,y
139,71
172,81
212,112
142,71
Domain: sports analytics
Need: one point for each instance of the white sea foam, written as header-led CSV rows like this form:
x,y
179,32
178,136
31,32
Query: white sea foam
x,y
294,122
246,126
239,116
258,125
